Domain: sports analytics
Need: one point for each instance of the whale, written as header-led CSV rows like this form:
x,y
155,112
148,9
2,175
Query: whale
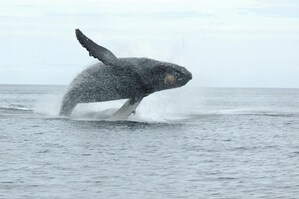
x,y
115,78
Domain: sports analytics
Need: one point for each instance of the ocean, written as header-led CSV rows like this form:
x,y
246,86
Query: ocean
x,y
189,142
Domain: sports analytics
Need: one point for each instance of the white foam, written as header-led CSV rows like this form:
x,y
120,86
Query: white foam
x,y
158,107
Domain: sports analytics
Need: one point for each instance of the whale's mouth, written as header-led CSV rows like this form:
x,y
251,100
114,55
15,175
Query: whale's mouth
x,y
188,75
185,78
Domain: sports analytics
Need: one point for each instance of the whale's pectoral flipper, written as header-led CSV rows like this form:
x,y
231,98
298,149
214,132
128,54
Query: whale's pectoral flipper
x,y
96,50
127,109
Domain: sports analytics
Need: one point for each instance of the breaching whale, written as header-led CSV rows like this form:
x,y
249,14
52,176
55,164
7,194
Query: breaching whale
x,y
120,78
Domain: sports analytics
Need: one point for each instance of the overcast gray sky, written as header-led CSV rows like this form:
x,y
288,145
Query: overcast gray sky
x,y
248,43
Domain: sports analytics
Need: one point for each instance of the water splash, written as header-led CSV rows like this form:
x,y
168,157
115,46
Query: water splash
x,y
48,105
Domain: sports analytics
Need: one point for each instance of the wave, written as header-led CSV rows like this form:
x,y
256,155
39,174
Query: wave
x,y
273,112
159,107
151,112
180,116
262,112
15,107
146,113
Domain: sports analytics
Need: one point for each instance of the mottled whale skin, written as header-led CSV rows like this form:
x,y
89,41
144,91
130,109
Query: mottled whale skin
x,y
120,78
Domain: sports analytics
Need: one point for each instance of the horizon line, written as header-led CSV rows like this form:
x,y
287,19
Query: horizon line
x,y
233,87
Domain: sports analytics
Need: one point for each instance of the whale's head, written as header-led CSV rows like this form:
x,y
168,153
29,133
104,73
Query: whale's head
x,y
164,75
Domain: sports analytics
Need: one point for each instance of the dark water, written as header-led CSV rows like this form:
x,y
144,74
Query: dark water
x,y
185,143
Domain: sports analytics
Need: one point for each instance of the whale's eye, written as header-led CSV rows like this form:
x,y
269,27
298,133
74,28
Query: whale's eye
x,y
169,79
176,74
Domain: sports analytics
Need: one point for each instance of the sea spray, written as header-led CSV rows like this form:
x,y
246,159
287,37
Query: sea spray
x,y
48,105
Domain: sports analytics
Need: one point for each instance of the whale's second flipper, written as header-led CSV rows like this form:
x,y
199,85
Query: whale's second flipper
x,y
127,109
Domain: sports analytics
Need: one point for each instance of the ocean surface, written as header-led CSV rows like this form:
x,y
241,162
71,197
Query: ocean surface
x,y
181,143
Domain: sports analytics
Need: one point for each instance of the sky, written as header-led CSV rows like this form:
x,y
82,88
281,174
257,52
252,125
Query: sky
x,y
224,43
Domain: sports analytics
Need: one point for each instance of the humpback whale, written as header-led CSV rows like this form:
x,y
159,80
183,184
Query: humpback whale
x,y
120,78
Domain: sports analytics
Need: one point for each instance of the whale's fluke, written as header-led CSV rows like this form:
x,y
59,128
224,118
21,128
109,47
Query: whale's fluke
x,y
96,50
